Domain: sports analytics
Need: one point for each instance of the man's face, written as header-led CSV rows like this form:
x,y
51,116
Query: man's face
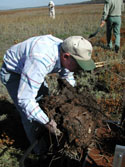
x,y
69,62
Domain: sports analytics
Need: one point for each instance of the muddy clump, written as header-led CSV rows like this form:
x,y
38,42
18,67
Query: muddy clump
x,y
76,115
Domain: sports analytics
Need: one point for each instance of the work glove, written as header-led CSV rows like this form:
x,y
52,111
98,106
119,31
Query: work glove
x,y
52,127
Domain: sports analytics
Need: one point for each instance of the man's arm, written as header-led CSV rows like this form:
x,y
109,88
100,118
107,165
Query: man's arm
x,y
32,77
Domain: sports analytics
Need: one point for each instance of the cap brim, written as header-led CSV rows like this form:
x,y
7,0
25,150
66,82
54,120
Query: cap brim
x,y
86,65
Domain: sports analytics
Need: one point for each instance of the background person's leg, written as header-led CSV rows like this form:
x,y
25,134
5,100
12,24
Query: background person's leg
x,y
53,13
109,32
116,31
49,12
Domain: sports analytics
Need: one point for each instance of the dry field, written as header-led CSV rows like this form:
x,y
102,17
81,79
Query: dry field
x,y
18,25
105,83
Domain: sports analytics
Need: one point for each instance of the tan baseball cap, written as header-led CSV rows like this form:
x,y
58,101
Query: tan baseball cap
x,y
81,50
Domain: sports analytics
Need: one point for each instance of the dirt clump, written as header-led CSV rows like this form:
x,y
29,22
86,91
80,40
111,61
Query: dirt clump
x,y
76,115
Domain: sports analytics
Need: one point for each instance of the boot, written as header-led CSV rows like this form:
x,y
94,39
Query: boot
x,y
116,48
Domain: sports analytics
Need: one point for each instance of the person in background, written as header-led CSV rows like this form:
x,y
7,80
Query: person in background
x,y
51,6
112,17
25,66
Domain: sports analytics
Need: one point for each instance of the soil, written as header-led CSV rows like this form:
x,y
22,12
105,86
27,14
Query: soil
x,y
84,139
74,113
81,121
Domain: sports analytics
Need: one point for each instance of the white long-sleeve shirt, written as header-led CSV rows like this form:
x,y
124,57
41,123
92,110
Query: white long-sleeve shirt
x,y
33,59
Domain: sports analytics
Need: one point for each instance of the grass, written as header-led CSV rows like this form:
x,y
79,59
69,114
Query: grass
x,y
106,83
19,25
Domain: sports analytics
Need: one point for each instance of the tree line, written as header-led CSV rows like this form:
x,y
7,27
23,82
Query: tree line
x,y
101,1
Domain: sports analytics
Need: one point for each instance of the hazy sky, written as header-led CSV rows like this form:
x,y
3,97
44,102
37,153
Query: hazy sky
x,y
13,4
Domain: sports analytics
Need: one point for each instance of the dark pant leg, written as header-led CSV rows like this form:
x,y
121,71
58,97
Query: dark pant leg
x,y
109,32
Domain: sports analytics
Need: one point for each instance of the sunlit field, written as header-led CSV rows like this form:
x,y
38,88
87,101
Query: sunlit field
x,y
106,83
18,25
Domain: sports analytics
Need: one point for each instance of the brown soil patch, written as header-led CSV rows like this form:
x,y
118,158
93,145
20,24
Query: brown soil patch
x,y
77,117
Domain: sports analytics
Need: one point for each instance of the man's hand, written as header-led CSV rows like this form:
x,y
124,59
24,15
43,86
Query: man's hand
x,y
102,23
52,127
